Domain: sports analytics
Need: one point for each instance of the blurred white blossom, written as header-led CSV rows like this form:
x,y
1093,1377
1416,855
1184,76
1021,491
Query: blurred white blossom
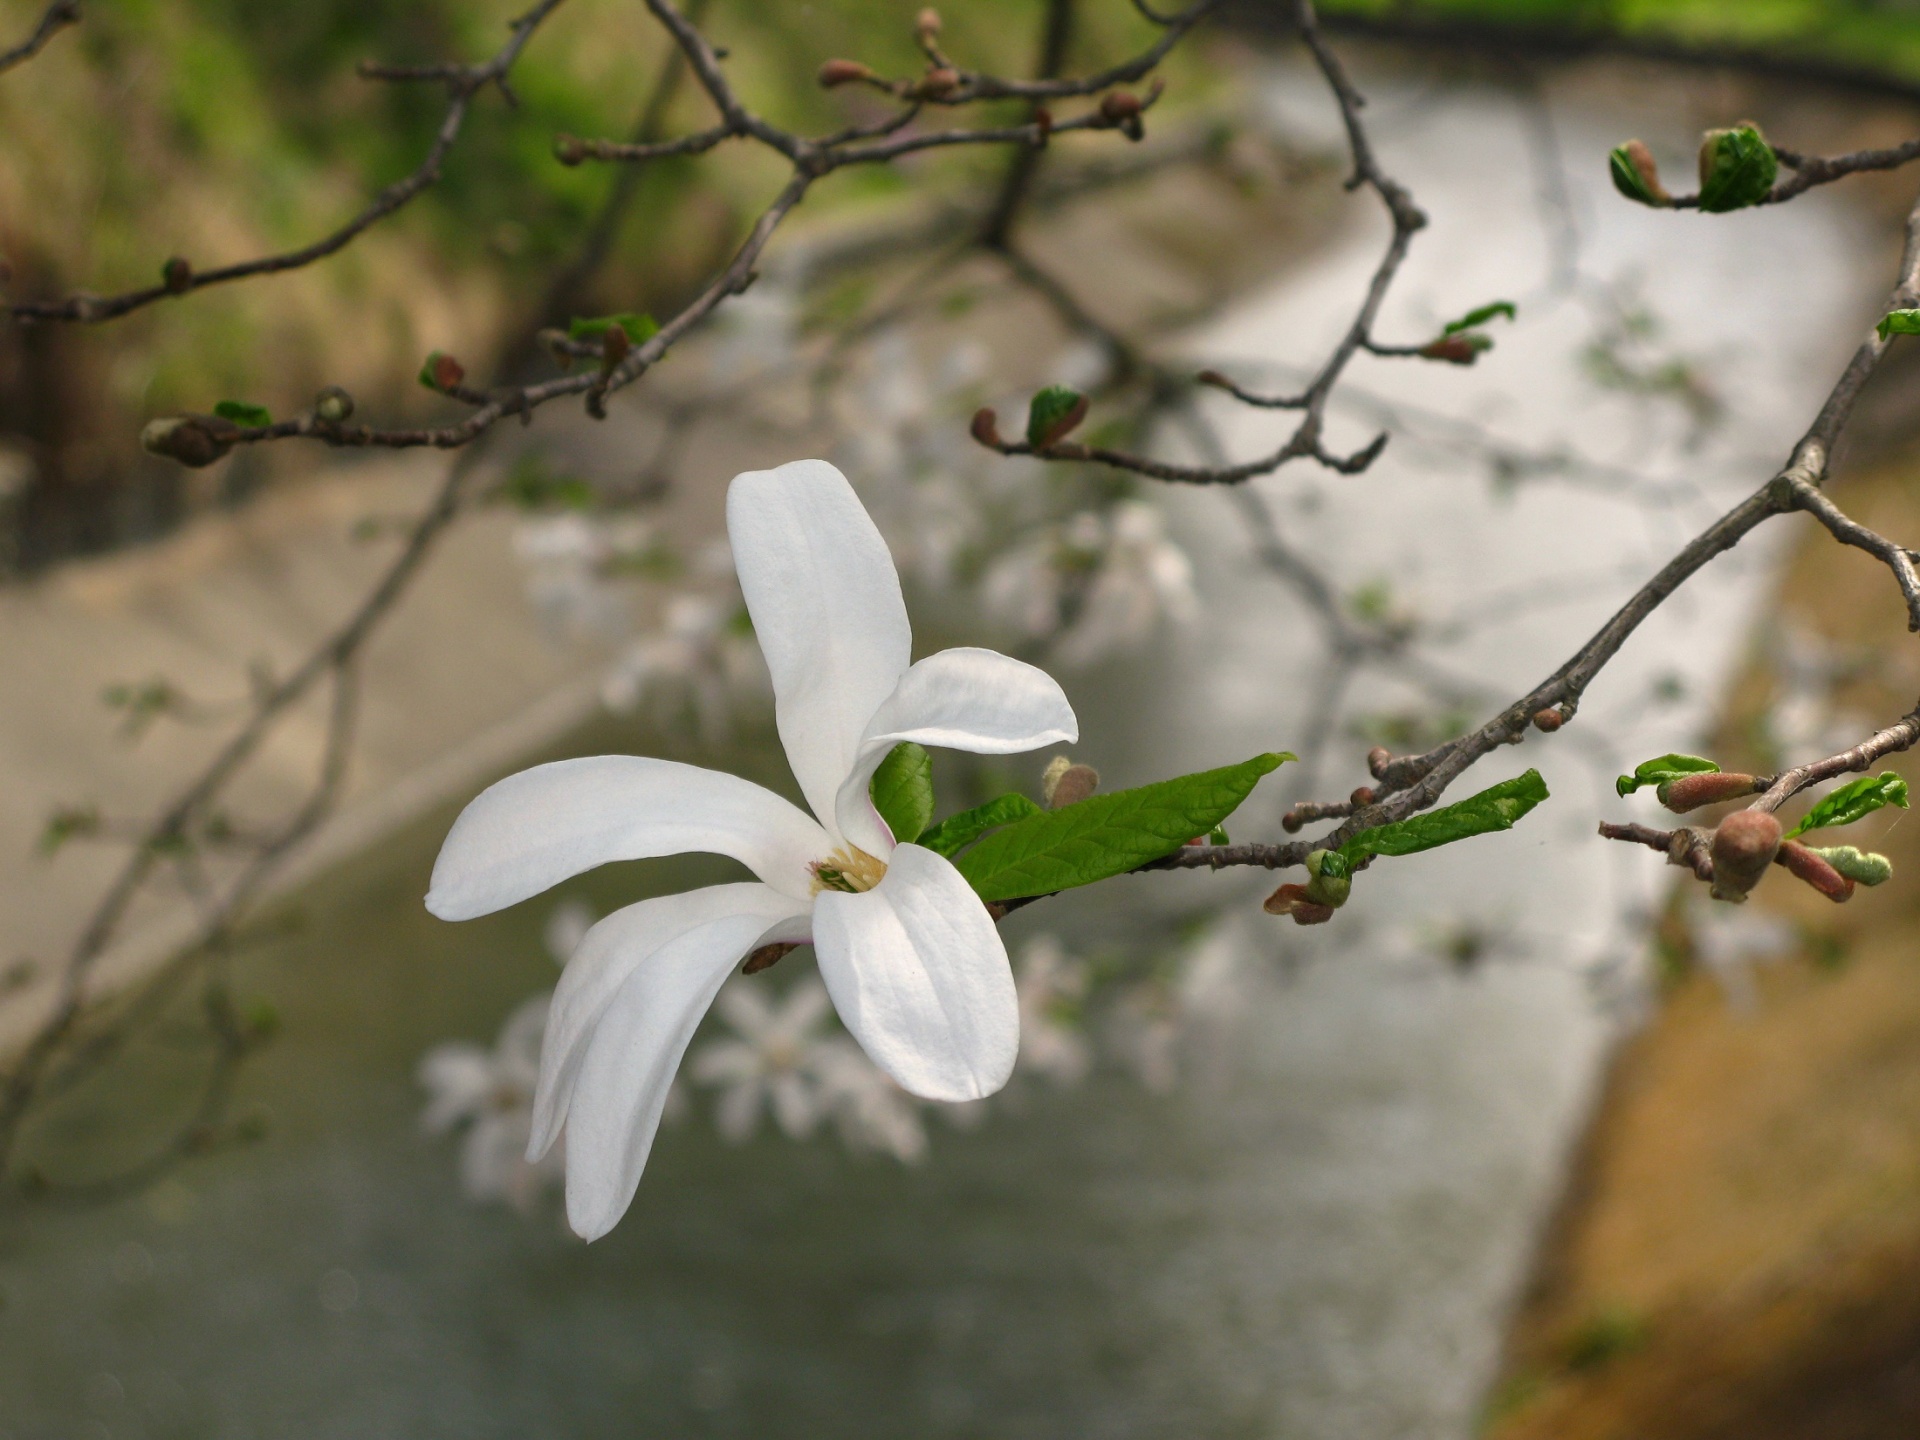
x,y
490,1093
775,1060
1802,719
570,560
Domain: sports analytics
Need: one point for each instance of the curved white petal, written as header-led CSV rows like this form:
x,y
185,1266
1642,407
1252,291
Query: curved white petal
x,y
607,957
917,971
826,606
622,1084
534,829
964,699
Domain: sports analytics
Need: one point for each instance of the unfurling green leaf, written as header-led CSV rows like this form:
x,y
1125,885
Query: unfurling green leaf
x,y
1054,413
1863,866
68,822
1495,808
639,328
1899,322
969,825
902,791
1854,801
1218,836
1109,834
1480,316
1666,767
1737,169
1636,176
1332,880
241,413
441,372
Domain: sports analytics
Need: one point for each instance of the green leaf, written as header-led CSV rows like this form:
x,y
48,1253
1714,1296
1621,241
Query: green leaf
x,y
1481,316
1667,767
1899,322
1854,801
1628,180
1737,169
1107,835
1053,414
969,825
241,413
902,791
639,328
1495,808
1864,867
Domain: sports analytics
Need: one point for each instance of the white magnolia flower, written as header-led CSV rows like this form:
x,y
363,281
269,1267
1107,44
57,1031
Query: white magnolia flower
x,y
1049,982
912,960
491,1093
778,1062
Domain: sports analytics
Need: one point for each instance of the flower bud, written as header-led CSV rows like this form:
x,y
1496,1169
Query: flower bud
x,y
1455,349
842,72
1813,867
1292,823
1332,878
1362,795
1690,792
568,150
442,372
1743,847
1066,783
193,440
986,427
1378,758
177,276
1636,176
1737,168
614,346
1121,109
927,27
937,83
1548,720
334,405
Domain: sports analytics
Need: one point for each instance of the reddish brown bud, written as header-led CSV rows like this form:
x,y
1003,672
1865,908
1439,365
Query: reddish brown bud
x,y
767,956
1378,758
1294,900
177,276
1117,105
1743,847
1071,785
1548,720
1641,158
1362,795
986,427
842,72
614,346
447,372
1213,378
1454,349
1690,792
568,150
1814,868
1043,122
937,83
1292,823
193,440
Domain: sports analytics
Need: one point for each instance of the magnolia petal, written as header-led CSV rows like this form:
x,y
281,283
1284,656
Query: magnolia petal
x,y
964,699
628,1067
534,829
826,606
609,955
917,971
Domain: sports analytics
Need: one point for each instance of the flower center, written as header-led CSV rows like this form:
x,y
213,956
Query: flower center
x,y
848,868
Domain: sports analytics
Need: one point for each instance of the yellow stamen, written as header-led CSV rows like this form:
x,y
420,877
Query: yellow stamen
x,y
848,869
